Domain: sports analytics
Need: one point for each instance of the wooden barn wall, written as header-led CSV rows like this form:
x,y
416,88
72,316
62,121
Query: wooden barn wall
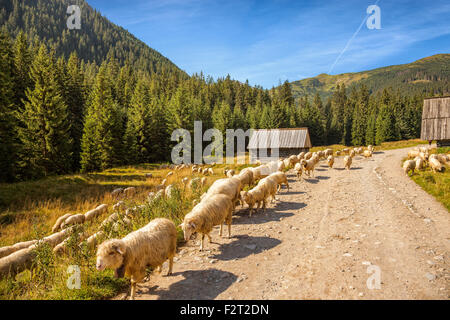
x,y
436,119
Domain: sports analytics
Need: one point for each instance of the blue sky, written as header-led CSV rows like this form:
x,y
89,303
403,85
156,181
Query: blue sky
x,y
271,41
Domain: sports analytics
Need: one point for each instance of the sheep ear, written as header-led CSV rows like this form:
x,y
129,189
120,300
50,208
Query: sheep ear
x,y
181,225
120,250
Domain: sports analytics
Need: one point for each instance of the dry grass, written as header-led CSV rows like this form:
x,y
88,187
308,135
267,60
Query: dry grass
x,y
384,146
30,208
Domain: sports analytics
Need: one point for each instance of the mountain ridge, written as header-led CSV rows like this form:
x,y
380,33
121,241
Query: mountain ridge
x,y
97,40
432,72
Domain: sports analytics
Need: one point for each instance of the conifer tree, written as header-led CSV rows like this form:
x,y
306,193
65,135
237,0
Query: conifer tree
x,y
102,145
385,125
44,130
22,63
8,135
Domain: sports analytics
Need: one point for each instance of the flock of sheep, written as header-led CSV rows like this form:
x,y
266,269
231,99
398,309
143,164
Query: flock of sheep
x,y
419,158
155,243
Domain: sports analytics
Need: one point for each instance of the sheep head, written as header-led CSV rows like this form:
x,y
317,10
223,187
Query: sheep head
x,y
111,254
189,228
247,197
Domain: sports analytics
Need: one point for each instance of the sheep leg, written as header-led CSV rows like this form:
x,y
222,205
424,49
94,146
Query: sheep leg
x,y
250,208
201,242
221,227
133,289
209,238
170,266
229,230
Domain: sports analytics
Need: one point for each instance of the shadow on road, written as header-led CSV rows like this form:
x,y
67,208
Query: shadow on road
x,y
271,214
355,168
197,285
312,180
322,177
243,246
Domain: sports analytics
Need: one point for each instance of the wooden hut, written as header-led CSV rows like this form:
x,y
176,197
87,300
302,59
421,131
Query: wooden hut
x,y
436,120
267,144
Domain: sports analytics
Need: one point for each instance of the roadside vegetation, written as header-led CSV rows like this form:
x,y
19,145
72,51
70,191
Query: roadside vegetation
x,y
437,184
29,209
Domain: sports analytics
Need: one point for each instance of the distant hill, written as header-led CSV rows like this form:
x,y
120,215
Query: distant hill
x,y
431,73
97,40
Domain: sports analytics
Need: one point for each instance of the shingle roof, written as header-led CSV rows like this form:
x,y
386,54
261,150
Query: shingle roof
x,y
280,138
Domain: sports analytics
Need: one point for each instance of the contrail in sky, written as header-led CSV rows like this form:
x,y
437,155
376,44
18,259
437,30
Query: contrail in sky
x,y
349,41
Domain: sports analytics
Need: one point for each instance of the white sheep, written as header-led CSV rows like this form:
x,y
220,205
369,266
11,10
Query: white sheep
x,y
298,169
120,205
23,259
409,165
88,216
213,210
435,164
74,219
330,161
59,221
352,153
149,246
280,178
270,186
413,153
308,166
116,193
170,173
308,156
367,153
328,152
348,162
231,187
292,160
168,192
92,241
286,163
148,176
129,192
230,173
6,251
420,164
246,177
254,196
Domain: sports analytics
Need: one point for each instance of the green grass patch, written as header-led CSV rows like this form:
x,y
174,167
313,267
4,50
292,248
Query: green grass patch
x,y
436,184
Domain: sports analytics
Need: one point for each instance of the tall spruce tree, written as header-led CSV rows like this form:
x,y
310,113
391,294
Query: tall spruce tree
x,y
44,132
102,145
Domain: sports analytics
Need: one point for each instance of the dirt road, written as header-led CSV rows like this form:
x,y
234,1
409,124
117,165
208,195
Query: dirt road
x,y
320,239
